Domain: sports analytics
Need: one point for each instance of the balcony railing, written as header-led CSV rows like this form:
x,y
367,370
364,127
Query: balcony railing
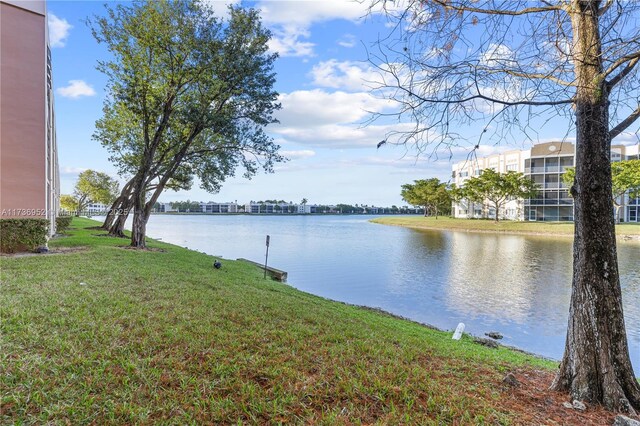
x,y
547,169
549,202
553,219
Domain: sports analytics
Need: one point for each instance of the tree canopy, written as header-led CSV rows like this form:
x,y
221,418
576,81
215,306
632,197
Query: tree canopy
x,y
91,187
189,94
498,188
431,194
186,206
625,179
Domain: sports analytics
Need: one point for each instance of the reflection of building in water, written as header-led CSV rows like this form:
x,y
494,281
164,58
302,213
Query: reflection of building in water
x,y
427,250
545,164
509,277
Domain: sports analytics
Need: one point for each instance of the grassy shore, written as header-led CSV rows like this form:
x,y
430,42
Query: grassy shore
x,y
101,334
623,230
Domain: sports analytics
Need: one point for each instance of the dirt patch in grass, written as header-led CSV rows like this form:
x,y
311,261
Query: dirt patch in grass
x,y
109,236
537,405
152,249
57,250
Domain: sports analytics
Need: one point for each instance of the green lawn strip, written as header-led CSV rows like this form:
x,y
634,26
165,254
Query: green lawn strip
x,y
107,335
505,226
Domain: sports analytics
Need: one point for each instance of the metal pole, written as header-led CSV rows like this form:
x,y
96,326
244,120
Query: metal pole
x,y
266,258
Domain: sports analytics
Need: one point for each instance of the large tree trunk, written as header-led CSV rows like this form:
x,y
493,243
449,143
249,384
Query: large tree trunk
x,y
139,230
117,227
596,366
117,217
139,225
137,202
119,206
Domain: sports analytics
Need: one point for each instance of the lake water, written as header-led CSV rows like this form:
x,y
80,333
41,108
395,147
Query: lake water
x,y
517,285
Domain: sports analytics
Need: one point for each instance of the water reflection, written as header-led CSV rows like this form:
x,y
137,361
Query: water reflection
x,y
508,276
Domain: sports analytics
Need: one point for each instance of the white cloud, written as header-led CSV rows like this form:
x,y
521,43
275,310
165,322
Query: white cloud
x,y
76,89
348,40
219,7
294,155
306,12
288,41
71,171
291,21
498,55
627,138
340,135
58,30
407,163
346,75
317,118
317,107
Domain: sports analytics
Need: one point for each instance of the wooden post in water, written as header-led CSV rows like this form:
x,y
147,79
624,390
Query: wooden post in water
x,y
266,258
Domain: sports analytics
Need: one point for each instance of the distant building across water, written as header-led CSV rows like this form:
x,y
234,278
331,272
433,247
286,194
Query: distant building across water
x,y
278,208
545,164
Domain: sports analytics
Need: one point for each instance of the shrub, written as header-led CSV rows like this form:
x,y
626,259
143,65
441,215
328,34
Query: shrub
x,y
22,234
62,223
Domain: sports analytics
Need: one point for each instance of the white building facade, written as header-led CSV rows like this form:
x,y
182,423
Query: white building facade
x,y
545,164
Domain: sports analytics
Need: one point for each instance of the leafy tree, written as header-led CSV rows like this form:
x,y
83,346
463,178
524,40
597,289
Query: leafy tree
x,y
187,206
189,94
346,208
431,194
91,187
507,65
625,178
68,203
498,188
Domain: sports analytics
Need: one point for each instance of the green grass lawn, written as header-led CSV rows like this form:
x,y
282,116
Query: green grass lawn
x,y
507,226
107,335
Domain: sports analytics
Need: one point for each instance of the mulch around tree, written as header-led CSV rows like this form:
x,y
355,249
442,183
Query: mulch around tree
x,y
540,406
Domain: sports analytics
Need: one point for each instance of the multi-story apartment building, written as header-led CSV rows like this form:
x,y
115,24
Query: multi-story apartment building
x,y
96,208
212,207
209,207
545,163
272,208
29,175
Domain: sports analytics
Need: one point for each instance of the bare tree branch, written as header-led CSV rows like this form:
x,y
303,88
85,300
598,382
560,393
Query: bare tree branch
x,y
534,76
448,5
631,61
624,124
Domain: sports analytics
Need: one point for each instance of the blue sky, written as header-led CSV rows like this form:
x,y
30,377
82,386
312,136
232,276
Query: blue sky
x,y
322,73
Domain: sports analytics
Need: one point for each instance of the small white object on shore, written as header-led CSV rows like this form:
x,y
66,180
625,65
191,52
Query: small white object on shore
x,y
458,333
